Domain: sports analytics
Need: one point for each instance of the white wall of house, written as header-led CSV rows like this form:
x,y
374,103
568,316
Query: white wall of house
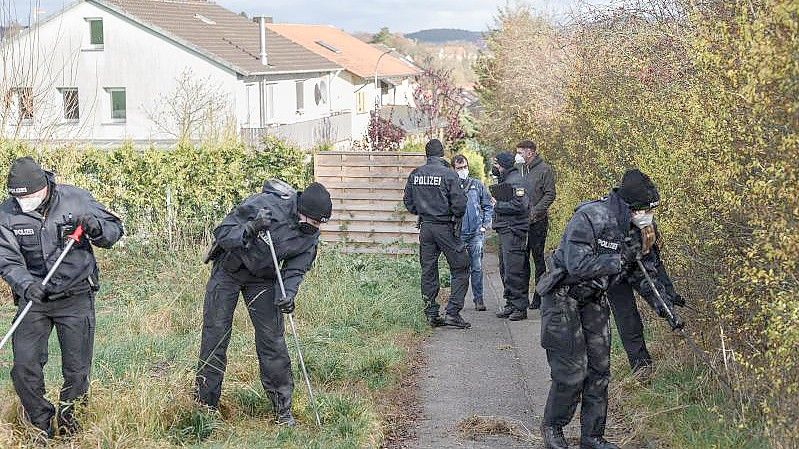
x,y
58,55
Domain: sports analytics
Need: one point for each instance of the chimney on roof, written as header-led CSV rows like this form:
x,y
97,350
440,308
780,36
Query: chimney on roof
x,y
262,21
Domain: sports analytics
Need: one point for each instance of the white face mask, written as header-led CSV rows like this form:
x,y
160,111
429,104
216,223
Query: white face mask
x,y
643,218
463,173
520,159
31,202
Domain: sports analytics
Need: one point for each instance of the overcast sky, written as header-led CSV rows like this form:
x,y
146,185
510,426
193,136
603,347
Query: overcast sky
x,y
359,15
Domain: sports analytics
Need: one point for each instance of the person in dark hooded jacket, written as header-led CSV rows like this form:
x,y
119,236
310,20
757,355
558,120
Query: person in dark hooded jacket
x,y
600,247
34,223
242,264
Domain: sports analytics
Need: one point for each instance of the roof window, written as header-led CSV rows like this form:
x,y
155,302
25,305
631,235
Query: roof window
x,y
328,46
204,19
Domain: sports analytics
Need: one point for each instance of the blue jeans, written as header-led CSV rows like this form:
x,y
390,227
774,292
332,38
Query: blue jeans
x,y
474,246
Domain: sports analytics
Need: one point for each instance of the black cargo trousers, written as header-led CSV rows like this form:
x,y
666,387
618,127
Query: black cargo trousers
x,y
576,336
221,297
629,324
514,267
434,239
74,321
536,242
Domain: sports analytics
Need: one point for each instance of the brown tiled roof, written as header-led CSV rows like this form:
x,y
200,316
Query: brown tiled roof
x,y
225,37
348,51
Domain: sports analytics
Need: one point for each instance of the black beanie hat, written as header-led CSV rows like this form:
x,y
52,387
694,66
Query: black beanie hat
x,y
506,160
434,148
638,191
314,202
25,177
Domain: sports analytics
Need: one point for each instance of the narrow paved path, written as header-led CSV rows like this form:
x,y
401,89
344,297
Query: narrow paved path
x,y
496,371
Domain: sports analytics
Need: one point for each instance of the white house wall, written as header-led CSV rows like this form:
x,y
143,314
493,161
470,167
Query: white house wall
x,y
145,64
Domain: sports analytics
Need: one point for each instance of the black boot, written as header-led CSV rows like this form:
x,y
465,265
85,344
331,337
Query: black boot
x,y
67,424
456,321
480,307
518,315
596,443
435,321
553,437
506,312
282,407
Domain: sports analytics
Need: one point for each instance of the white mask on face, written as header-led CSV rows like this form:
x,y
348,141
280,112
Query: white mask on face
x,y
29,203
463,173
520,159
643,218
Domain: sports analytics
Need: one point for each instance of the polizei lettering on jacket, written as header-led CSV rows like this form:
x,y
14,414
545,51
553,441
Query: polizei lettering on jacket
x,y
608,245
23,232
426,180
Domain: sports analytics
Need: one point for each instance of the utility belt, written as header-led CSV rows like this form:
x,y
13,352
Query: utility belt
x,y
582,292
81,288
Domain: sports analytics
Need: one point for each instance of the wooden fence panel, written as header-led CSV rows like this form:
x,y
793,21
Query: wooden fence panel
x,y
367,190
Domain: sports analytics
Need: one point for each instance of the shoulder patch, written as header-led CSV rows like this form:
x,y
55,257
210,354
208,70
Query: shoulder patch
x,y
519,191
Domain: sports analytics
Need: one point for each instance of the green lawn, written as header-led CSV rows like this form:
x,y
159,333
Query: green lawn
x,y
356,314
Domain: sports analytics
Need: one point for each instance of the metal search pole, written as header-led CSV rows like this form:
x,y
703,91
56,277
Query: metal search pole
x,y
72,239
677,326
267,238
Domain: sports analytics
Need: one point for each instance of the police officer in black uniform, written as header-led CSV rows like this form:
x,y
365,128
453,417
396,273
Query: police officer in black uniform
x,y
511,221
34,222
242,264
598,249
434,193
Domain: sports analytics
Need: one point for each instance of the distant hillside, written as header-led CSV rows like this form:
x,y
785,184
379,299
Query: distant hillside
x,y
441,35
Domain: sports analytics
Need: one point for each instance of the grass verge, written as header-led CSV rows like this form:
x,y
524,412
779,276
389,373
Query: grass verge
x,y
679,404
358,317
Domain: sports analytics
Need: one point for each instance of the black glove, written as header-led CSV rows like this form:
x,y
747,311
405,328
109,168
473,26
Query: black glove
x,y
286,305
678,300
630,251
35,293
261,222
91,225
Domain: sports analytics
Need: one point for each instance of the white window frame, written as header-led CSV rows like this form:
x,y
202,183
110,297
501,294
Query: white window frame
x,y
19,105
62,91
360,102
89,46
299,89
269,93
111,91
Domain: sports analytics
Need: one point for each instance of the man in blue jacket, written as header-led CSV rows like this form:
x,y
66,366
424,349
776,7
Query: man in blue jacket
x,y
476,220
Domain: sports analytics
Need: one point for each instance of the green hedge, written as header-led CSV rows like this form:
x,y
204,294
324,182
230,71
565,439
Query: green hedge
x,y
187,188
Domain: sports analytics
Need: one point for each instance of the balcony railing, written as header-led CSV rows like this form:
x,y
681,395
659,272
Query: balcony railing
x,y
333,129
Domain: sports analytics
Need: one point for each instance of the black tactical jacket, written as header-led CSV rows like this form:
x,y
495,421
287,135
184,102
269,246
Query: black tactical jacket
x,y
514,212
589,254
295,250
31,242
434,193
541,187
